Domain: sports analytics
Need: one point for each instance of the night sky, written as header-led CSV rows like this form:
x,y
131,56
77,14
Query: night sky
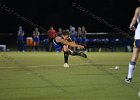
x,y
61,13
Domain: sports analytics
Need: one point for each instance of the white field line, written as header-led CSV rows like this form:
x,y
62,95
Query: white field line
x,y
36,66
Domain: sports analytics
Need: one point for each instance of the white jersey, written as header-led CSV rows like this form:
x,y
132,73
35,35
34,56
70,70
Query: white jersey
x,y
137,32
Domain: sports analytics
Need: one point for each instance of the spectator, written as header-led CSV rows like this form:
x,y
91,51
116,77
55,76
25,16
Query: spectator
x,y
20,39
73,33
83,35
59,33
51,36
36,39
79,35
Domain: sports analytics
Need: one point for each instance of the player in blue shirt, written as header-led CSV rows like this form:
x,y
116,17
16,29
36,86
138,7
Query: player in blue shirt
x,y
20,39
63,42
36,39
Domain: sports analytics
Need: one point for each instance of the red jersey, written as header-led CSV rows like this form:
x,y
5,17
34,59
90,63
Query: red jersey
x,y
51,34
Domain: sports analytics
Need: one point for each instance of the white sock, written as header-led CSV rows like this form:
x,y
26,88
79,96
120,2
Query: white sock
x,y
131,70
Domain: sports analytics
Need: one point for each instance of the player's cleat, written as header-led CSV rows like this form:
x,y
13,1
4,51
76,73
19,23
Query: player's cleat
x,y
66,65
82,54
78,53
128,80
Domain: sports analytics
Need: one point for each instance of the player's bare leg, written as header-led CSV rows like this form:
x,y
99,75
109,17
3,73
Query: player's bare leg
x,y
78,53
66,55
132,65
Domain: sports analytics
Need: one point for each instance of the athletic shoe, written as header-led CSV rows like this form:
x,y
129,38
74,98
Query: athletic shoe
x,y
82,54
128,80
66,65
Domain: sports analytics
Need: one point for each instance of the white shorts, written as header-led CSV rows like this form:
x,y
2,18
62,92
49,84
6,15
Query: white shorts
x,y
137,32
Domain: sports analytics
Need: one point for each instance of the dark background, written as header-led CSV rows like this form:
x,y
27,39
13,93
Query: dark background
x,y
61,13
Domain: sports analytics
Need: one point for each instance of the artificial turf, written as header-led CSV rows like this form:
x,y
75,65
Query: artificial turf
x,y
41,76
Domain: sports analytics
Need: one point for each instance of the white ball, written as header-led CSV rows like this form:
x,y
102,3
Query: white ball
x,y
116,67
139,94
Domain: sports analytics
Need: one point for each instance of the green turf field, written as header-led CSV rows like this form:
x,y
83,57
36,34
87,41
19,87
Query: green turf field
x,y
41,76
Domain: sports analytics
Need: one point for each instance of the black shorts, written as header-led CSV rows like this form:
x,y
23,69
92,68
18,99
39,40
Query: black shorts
x,y
137,43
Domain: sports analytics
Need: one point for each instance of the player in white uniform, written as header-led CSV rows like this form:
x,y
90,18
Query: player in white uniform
x,y
136,48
